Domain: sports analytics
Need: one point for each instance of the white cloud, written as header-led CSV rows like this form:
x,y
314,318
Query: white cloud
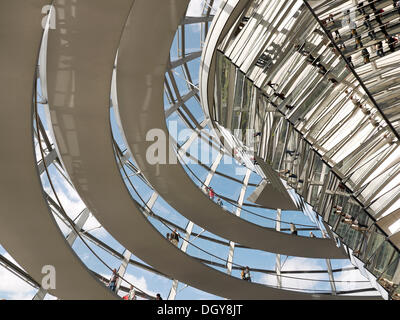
x,y
346,281
138,282
299,264
195,8
11,259
93,225
69,198
73,205
12,287
63,227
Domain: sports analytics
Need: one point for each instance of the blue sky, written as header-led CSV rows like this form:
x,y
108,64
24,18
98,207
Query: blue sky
x,y
12,287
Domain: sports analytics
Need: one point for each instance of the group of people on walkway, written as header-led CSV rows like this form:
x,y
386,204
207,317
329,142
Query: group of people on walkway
x,y
131,295
112,284
315,61
367,22
174,237
211,195
346,218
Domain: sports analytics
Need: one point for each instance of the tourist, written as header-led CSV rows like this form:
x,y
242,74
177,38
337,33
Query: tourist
x,y
360,8
365,54
246,274
211,193
175,237
293,229
113,281
379,49
391,41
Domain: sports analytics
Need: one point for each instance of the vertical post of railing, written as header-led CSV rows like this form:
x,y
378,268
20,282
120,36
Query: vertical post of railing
x,y
190,225
184,246
238,211
331,278
278,256
122,268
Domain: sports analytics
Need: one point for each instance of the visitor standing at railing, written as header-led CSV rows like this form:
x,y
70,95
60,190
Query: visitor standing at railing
x,y
113,281
175,237
246,274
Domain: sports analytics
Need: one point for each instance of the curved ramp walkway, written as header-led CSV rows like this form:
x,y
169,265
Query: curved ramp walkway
x,y
28,231
89,155
272,192
142,61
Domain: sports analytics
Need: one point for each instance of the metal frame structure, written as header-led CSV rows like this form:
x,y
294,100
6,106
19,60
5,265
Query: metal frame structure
x,y
179,68
320,126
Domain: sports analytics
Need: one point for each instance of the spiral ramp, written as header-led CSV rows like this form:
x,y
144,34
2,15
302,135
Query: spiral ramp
x,y
95,42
